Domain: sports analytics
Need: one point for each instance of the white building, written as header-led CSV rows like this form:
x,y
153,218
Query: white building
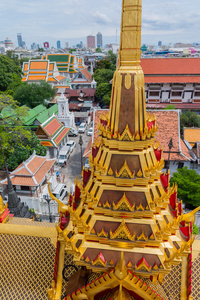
x,y
64,115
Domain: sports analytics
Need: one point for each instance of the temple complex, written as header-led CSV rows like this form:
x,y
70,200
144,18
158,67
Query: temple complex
x,y
123,234
124,224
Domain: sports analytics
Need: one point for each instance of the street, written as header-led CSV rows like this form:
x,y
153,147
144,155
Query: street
x,y
73,167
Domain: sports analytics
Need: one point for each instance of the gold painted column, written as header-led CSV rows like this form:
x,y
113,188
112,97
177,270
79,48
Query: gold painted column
x,y
184,277
60,269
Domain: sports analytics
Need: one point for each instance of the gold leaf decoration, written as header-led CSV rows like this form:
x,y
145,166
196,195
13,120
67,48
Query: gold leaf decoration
x,y
139,173
93,231
122,232
102,233
140,207
99,261
143,266
110,172
126,135
123,204
155,267
142,237
125,172
129,265
87,260
107,205
152,237
111,263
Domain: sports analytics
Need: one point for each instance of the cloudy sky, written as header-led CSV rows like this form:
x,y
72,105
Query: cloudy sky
x,y
72,20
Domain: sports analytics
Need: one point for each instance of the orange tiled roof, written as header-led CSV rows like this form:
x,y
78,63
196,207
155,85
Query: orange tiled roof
x,y
24,79
38,65
59,138
51,79
51,67
39,166
25,66
36,77
44,170
169,66
172,79
36,163
52,127
60,77
86,74
192,135
168,127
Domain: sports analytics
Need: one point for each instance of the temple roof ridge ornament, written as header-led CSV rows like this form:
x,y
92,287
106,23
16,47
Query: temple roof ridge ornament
x,y
125,172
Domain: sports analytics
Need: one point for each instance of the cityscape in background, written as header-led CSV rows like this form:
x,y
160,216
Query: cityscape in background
x,y
96,44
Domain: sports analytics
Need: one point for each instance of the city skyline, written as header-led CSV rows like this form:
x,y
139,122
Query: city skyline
x,y
39,21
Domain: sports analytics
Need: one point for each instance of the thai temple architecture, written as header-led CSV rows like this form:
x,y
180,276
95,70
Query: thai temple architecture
x,y
124,225
37,70
123,234
64,115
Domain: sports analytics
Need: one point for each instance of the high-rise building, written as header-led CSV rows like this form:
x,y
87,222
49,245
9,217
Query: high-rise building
x,y
99,40
66,45
58,45
91,41
159,43
46,45
19,39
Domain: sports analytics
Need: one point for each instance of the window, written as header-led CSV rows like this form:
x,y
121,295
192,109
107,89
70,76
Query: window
x,y
154,94
25,188
197,94
176,94
180,165
193,166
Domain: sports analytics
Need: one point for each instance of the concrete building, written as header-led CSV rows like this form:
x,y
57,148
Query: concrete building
x,y
19,40
99,40
58,45
64,115
91,41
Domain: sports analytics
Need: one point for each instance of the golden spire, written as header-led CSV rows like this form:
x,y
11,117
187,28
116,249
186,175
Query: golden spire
x,y
2,208
130,42
128,107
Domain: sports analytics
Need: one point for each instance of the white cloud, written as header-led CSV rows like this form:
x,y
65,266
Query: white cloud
x,y
41,20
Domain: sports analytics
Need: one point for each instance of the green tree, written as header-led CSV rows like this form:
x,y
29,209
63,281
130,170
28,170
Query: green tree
x,y
34,94
103,89
112,57
18,142
8,68
103,76
170,106
189,119
188,186
98,50
22,152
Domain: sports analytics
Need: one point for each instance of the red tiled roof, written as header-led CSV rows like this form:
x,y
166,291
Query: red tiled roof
x,y
75,106
44,170
168,127
172,79
169,66
36,163
52,127
86,74
76,92
177,105
61,135
171,70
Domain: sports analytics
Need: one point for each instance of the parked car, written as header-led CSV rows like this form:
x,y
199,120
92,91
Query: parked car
x,y
73,132
72,145
90,131
87,165
64,154
82,128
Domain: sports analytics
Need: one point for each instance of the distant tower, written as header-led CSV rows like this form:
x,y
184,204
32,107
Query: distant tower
x,y
58,45
64,115
99,40
159,43
91,41
46,45
19,39
66,45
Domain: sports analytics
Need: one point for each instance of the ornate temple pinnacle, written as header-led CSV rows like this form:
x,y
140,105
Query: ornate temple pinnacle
x,y
130,42
128,105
